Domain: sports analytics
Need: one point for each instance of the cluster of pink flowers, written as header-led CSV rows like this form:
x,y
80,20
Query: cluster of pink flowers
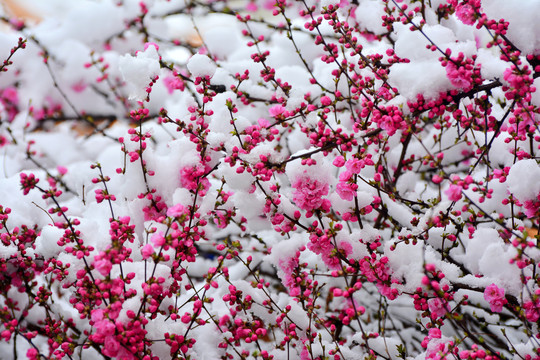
x,y
309,194
191,177
325,203
454,192
495,296
346,188
467,10
174,82
461,72
9,99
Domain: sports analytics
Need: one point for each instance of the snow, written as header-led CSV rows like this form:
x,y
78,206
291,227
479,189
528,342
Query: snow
x,y
105,61
222,41
491,66
405,265
138,71
522,179
201,66
524,29
46,242
424,73
369,13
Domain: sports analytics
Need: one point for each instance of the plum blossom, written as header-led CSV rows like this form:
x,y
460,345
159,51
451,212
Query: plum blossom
x,y
345,188
104,327
288,266
532,310
158,240
514,78
339,161
495,296
466,11
277,110
354,165
454,192
251,7
175,211
531,207
147,251
192,176
62,170
438,307
238,156
460,77
103,266
32,354
435,343
345,191
325,101
102,263
9,99
79,86
173,82
112,346
309,194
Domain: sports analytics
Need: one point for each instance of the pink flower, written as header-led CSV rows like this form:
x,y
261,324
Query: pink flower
x,y
531,207
516,80
147,251
104,266
288,265
192,176
435,333
325,100
32,354
309,193
354,165
465,13
79,86
276,110
96,315
454,192
158,240
10,94
460,77
173,82
263,123
345,176
6,335
112,346
532,310
495,296
62,170
224,320
437,307
175,211
28,182
222,222
345,191
252,7
437,179
339,161
269,4
304,355
125,354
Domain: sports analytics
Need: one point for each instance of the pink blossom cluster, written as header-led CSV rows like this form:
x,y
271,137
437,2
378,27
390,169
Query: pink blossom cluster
x,y
495,296
283,180
309,194
10,101
467,10
189,178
